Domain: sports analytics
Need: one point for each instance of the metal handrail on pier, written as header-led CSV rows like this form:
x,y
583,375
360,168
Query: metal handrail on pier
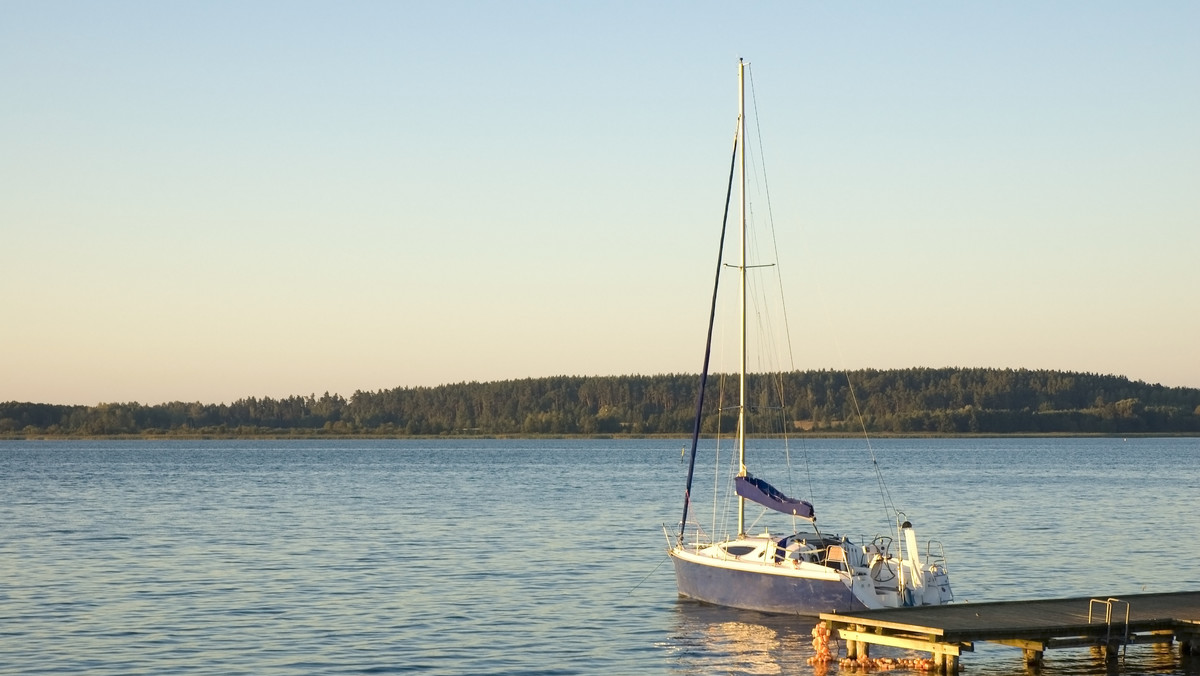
x,y
1111,646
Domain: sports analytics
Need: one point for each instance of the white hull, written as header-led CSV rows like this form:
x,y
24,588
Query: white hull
x,y
812,576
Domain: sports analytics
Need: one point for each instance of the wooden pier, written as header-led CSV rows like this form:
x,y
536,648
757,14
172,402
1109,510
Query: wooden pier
x,y
1109,623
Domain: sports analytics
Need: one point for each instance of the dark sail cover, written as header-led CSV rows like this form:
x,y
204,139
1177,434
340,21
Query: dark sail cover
x,y
768,496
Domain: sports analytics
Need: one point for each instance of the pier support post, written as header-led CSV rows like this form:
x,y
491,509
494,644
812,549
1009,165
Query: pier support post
x,y
944,663
1112,652
1189,644
1032,657
864,648
857,649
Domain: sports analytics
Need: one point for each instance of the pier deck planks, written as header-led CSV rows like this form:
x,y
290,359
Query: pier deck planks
x,y
1033,625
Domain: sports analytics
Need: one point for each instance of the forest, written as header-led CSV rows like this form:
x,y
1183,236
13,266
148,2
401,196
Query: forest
x,y
947,401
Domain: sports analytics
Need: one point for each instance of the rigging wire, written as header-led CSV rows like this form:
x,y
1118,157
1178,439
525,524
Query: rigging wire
x,y
724,535
768,335
771,220
687,491
885,495
787,331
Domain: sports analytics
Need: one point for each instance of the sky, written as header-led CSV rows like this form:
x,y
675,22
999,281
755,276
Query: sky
x,y
208,201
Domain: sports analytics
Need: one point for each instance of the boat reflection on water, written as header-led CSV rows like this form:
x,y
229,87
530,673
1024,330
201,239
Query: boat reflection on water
x,y
712,639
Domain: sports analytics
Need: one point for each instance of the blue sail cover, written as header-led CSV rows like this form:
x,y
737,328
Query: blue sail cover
x,y
768,496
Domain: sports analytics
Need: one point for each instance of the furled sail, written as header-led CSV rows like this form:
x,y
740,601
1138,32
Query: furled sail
x,y
765,494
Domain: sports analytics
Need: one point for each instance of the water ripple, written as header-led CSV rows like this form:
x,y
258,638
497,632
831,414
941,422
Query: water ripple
x,y
516,557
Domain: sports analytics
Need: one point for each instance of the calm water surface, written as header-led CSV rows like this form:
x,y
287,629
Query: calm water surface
x,y
529,557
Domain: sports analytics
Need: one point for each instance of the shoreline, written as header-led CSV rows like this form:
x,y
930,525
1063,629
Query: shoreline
x,y
531,437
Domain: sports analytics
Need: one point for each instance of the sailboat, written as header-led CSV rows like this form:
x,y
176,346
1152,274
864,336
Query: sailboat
x,y
801,571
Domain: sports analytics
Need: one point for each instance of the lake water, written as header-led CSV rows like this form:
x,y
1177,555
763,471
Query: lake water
x,y
529,557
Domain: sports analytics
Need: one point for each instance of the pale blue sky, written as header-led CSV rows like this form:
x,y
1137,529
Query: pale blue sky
x,y
212,200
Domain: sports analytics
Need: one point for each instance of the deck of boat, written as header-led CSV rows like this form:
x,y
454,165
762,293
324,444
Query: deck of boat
x,y
1033,626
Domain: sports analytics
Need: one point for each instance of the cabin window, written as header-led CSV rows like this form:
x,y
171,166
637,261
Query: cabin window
x,y
739,550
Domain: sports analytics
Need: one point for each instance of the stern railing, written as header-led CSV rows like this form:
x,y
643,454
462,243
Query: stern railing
x,y
935,557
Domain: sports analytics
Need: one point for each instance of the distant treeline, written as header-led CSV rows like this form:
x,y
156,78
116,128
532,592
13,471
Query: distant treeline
x,y
908,401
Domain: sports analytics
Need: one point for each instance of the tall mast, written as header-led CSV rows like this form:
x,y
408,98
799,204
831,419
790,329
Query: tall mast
x,y
742,288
